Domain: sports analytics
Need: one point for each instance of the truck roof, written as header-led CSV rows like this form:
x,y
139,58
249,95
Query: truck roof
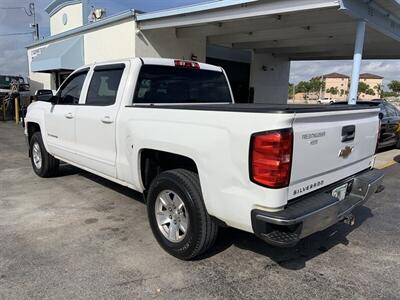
x,y
157,61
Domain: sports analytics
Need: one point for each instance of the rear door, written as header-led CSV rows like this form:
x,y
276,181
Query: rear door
x,y
330,146
96,119
60,120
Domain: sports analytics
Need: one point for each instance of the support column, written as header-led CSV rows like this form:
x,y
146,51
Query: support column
x,y
357,59
85,11
269,76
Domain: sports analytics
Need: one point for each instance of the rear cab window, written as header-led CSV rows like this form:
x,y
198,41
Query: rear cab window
x,y
168,84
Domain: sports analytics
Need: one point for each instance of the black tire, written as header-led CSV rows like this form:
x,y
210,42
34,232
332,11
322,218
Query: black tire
x,y
202,230
49,165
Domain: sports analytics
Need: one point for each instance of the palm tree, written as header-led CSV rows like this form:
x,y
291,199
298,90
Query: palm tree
x,y
379,90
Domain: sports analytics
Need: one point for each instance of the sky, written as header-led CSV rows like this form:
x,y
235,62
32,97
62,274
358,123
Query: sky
x,y
13,59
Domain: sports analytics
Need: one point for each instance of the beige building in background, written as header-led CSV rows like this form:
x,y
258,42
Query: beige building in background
x,y
336,81
341,84
375,82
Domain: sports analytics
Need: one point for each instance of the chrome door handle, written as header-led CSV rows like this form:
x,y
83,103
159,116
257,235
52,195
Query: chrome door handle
x,y
107,120
69,116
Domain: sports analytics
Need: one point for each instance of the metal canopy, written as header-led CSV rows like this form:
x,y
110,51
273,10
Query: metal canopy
x,y
297,29
64,55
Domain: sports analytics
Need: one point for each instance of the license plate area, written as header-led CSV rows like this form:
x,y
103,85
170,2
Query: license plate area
x,y
340,192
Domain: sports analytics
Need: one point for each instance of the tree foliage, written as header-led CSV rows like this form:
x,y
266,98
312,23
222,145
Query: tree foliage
x,y
290,90
315,85
333,90
394,86
386,94
379,89
364,88
303,87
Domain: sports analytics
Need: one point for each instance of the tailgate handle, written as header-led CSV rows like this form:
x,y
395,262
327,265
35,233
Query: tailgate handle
x,y
348,133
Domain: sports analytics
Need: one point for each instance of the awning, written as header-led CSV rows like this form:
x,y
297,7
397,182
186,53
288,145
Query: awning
x,y
65,55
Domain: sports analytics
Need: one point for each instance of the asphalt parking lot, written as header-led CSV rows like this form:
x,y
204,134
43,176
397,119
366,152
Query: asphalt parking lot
x,y
79,236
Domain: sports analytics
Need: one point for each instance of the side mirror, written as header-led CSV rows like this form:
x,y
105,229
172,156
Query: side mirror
x,y
53,100
380,116
43,95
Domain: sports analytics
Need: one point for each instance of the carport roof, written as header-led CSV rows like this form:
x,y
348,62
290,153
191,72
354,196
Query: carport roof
x,y
298,29
206,6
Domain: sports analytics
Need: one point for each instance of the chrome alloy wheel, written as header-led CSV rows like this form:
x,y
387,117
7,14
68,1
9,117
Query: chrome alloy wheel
x,y
171,215
37,156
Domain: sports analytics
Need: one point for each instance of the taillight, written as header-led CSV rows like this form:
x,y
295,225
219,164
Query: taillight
x,y
186,64
271,158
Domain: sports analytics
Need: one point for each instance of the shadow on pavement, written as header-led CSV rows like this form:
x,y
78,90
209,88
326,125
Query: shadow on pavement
x,y
68,170
294,258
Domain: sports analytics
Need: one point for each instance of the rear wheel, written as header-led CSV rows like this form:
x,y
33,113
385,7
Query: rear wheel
x,y
177,214
43,163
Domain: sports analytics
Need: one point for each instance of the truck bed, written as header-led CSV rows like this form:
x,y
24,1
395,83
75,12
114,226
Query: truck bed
x,y
261,108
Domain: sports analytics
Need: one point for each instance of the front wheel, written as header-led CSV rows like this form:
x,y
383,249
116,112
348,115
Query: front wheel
x,y
43,163
178,216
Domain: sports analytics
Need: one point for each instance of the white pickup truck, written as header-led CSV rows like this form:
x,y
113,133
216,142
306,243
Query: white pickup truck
x,y
170,129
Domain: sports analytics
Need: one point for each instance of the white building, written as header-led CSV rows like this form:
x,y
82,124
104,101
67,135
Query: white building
x,y
254,40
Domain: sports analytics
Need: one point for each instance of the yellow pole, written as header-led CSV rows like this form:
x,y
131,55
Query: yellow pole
x,y
16,110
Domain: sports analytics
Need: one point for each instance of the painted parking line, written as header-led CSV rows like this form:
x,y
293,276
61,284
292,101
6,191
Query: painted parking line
x,y
386,159
384,166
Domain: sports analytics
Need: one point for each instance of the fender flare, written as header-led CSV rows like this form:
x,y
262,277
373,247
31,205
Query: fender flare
x,y
40,122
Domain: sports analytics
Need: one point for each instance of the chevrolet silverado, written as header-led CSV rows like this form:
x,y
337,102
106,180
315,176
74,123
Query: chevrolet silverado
x,y
170,129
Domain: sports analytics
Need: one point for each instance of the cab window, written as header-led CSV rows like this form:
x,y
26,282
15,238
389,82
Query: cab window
x,y
104,85
70,91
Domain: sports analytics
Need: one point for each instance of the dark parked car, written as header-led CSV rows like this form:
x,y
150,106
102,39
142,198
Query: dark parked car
x,y
390,122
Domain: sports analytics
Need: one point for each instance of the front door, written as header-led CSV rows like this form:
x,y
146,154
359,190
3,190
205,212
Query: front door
x,y
60,120
96,120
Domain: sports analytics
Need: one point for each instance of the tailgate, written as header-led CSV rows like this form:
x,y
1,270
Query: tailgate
x,y
330,146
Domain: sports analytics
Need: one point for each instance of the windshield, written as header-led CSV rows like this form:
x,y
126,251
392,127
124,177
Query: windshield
x,y
164,84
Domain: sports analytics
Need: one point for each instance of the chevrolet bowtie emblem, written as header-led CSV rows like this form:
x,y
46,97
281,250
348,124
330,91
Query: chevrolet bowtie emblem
x,y
346,151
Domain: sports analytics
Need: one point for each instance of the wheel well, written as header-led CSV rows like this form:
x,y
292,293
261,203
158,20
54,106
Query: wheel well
x,y
153,162
32,128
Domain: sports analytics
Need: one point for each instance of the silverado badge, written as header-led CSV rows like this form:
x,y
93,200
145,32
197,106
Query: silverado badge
x,y
346,151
